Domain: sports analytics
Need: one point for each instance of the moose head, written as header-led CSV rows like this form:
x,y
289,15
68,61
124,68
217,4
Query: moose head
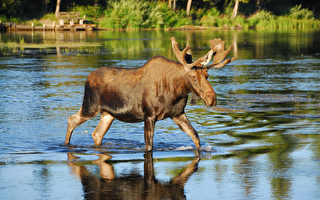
x,y
198,71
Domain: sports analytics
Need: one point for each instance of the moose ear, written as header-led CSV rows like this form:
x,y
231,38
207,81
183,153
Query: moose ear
x,y
188,58
181,55
205,59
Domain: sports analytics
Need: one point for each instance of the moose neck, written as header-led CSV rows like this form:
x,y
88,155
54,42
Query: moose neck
x,y
167,75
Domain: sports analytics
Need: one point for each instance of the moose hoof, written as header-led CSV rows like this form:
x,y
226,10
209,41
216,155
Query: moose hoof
x,y
148,148
97,141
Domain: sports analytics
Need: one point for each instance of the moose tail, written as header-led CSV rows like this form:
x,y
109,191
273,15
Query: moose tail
x,y
90,104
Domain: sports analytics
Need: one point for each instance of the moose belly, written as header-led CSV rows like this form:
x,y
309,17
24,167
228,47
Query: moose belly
x,y
128,117
130,109
125,113
121,106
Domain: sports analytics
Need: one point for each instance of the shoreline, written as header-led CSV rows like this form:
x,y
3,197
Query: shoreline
x,y
11,26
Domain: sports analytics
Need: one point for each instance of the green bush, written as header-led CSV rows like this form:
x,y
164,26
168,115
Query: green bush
x,y
214,18
125,14
240,21
211,18
153,17
300,13
50,16
172,19
135,14
261,19
10,19
297,19
91,12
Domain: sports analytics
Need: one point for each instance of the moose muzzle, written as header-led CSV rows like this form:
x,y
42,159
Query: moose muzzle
x,y
210,98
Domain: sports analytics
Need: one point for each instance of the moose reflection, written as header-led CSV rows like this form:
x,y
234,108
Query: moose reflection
x,y
132,186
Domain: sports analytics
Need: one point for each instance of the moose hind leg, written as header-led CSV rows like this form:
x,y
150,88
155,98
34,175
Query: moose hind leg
x,y
183,122
74,121
103,126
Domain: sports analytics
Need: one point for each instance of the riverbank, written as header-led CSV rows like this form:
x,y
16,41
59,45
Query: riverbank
x,y
47,27
50,25
93,27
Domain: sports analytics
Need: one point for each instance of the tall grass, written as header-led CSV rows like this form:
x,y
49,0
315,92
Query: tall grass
x,y
298,18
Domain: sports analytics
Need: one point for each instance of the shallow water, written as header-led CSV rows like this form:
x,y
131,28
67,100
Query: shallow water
x,y
261,141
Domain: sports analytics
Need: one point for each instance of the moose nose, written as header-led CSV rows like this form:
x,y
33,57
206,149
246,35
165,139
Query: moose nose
x,y
211,99
211,102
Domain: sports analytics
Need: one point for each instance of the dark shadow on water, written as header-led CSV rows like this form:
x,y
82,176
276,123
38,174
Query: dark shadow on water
x,y
107,185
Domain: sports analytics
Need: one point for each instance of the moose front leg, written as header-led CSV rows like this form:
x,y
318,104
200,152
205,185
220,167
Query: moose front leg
x,y
149,124
183,122
103,126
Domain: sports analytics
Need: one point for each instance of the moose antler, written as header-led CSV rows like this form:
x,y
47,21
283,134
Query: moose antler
x,y
217,46
181,55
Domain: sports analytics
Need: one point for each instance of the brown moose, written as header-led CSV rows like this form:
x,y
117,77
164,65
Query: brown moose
x,y
157,90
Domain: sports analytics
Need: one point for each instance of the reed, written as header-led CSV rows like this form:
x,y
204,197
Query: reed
x,y
298,18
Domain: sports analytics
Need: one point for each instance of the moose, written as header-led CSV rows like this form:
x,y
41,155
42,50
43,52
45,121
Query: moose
x,y
157,90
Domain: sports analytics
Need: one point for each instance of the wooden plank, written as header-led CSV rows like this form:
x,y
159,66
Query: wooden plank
x,y
85,27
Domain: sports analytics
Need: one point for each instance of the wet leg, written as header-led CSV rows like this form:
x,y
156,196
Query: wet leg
x,y
149,124
74,121
183,122
103,126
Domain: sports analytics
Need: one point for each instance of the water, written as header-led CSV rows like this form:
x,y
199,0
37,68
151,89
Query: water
x,y
261,141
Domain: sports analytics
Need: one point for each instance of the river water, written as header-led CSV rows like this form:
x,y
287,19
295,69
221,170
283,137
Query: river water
x,y
261,141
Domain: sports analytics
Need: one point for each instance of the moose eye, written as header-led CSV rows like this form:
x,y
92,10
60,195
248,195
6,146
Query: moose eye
x,y
196,68
193,77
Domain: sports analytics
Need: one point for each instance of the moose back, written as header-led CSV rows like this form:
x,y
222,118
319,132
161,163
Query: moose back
x,y
157,90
